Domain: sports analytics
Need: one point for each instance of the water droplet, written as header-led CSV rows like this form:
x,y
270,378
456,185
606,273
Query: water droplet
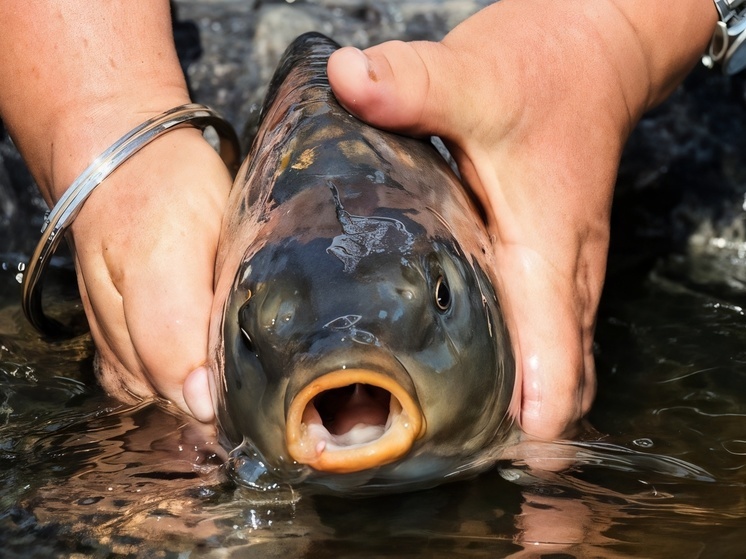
x,y
643,443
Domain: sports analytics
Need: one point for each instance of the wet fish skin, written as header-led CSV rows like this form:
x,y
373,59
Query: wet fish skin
x,y
353,256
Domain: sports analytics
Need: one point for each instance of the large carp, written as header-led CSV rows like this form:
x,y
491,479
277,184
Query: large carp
x,y
356,339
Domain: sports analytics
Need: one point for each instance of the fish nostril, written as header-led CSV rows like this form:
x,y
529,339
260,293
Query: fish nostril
x,y
244,316
280,316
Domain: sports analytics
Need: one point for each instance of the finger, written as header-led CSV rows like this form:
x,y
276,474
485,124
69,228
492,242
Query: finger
x,y
397,85
170,335
167,306
117,365
548,319
163,261
197,395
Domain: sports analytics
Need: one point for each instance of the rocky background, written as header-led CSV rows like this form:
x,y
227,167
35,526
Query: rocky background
x,y
679,206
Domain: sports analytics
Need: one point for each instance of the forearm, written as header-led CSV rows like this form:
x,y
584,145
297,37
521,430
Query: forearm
x,y
78,74
617,57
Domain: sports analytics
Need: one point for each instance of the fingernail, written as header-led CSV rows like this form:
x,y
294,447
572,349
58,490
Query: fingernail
x,y
366,63
197,396
368,66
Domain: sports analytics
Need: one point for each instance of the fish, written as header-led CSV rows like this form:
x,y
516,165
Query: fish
x,y
357,343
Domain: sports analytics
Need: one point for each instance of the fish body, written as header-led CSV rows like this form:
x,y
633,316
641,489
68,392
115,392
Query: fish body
x,y
357,340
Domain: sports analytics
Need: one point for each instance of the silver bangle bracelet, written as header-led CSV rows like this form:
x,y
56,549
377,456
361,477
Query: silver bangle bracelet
x,y
57,221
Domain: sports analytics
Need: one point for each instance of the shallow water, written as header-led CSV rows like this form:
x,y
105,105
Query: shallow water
x,y
80,473
660,474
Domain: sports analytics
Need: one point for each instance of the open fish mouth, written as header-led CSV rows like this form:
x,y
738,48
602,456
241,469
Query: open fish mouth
x,y
352,420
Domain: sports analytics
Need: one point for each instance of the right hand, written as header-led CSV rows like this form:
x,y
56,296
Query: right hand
x,y
535,99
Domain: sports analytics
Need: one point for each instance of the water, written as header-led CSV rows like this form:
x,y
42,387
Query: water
x,y
81,473
659,473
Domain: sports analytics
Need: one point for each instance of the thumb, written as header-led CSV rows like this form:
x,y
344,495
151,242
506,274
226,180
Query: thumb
x,y
398,86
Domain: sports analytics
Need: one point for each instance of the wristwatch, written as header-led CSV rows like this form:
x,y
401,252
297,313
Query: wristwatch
x,y
728,43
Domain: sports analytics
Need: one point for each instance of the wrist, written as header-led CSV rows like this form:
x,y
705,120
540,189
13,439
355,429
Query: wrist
x,y
179,169
671,41
77,136
625,56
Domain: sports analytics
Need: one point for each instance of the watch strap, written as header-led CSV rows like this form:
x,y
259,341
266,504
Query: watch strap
x,y
727,47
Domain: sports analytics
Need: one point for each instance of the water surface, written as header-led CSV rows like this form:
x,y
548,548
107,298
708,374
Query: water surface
x,y
80,472
660,472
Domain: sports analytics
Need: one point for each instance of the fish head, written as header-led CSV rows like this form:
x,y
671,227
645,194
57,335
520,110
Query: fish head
x,y
370,346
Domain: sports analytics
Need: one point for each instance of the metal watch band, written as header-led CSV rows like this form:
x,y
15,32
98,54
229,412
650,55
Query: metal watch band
x,y
728,44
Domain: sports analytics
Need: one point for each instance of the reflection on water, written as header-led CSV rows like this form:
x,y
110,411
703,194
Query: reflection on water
x,y
80,473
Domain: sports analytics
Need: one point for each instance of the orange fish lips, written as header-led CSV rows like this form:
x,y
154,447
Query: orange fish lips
x,y
352,420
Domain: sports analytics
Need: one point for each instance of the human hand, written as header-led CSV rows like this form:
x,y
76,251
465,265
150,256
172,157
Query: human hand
x,y
535,100
77,75
145,246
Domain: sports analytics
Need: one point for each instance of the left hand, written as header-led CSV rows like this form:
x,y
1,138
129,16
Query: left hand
x,y
145,245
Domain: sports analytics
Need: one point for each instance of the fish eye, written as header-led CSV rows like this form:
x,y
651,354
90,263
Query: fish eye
x,y
248,342
245,336
442,294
